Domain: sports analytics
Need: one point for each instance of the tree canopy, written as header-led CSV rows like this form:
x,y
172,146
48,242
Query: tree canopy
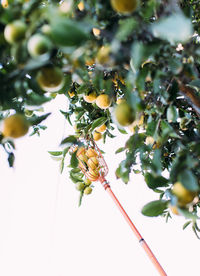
x,y
130,65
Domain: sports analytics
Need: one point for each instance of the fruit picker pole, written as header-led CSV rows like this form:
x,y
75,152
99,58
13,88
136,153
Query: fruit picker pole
x,y
134,229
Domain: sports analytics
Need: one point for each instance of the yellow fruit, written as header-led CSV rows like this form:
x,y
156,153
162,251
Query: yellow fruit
x,y
87,182
71,94
102,128
87,190
97,136
124,6
96,32
91,97
120,100
50,79
124,114
93,175
93,163
91,153
149,140
15,31
103,101
183,195
4,3
81,6
38,45
80,186
103,55
15,126
81,154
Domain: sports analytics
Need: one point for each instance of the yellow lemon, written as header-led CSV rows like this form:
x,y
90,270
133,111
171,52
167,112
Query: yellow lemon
x,y
102,128
97,136
91,153
124,114
103,101
15,126
183,195
91,97
124,6
93,175
87,190
93,163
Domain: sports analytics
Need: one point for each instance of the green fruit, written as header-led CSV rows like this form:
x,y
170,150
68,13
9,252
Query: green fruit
x,y
88,190
80,186
15,31
124,114
38,45
87,182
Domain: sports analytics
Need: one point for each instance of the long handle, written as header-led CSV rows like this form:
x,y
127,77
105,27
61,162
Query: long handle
x,y
134,229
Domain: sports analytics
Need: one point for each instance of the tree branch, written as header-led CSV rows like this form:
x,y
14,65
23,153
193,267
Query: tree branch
x,y
190,94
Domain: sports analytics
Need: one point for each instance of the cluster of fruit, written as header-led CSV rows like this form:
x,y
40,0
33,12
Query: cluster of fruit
x,y
84,186
89,162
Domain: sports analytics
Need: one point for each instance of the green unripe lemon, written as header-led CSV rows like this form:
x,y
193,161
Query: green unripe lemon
x,y
124,114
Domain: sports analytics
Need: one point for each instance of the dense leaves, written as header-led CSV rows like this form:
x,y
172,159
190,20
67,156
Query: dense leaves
x,y
148,58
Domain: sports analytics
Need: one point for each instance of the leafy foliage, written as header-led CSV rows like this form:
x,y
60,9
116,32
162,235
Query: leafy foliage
x,y
150,58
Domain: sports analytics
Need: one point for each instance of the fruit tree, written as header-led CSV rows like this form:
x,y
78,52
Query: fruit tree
x,y
129,65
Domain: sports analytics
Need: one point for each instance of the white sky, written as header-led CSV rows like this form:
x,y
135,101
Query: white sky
x,y
43,232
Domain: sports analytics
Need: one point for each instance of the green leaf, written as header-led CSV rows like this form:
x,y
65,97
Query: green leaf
x,y
62,165
69,140
157,161
186,224
154,208
74,161
67,32
55,153
120,150
151,128
98,122
36,99
126,27
154,182
174,28
35,120
189,180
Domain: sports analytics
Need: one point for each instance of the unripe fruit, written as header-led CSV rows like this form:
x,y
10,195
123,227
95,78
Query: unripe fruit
x,y
87,182
183,195
91,97
124,114
38,45
103,101
15,126
102,128
93,163
87,190
50,79
15,31
97,136
80,186
124,6
91,153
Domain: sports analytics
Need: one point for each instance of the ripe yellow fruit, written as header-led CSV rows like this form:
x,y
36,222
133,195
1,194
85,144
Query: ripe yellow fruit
x,y
120,100
38,45
87,190
91,97
124,114
93,175
81,154
102,128
81,6
15,126
183,195
124,6
149,140
96,32
97,136
103,101
103,55
4,3
50,79
93,163
91,153
15,31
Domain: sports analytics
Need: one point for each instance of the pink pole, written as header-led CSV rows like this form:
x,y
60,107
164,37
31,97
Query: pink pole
x,y
134,229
